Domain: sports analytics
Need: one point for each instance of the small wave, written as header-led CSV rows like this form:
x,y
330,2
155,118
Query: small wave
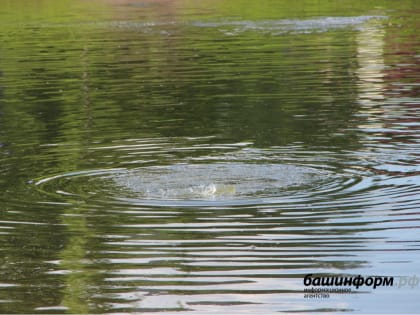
x,y
291,25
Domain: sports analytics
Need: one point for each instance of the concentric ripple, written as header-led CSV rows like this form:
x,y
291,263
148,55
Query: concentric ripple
x,y
205,183
238,175
242,176
216,181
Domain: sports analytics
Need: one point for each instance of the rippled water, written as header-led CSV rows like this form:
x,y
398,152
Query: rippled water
x,y
246,183
203,158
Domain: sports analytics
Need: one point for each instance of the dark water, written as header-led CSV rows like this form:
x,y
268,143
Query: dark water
x,y
203,157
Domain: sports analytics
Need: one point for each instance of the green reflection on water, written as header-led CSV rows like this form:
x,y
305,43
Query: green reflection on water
x,y
79,282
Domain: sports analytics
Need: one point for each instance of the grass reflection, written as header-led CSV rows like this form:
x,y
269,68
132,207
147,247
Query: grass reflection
x,y
78,283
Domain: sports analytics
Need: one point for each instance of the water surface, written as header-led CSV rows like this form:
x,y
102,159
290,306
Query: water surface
x,y
202,158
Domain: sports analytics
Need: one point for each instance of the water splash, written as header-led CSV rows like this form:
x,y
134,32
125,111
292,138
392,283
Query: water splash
x,y
215,181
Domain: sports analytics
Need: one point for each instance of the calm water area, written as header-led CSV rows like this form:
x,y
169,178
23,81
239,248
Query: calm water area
x,y
203,157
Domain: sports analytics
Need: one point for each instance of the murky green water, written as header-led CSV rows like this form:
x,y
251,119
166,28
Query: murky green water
x,y
204,156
